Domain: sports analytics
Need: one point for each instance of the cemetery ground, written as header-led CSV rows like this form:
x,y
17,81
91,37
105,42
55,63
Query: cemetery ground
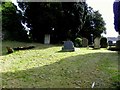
x,y
45,66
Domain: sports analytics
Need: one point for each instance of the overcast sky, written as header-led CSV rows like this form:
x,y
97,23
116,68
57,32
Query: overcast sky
x,y
105,7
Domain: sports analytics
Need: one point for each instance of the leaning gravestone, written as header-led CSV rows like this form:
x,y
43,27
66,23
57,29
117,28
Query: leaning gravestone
x,y
84,42
97,43
68,46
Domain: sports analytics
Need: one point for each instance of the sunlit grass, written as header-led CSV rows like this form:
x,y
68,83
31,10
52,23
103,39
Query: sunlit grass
x,y
46,66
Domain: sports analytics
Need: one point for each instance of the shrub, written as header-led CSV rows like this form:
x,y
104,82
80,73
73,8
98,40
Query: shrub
x,y
78,42
103,42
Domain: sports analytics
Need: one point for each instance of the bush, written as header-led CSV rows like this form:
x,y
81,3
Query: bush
x,y
103,42
78,42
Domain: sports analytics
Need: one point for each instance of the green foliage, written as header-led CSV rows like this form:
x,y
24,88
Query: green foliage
x,y
99,24
78,42
94,24
69,20
103,42
11,23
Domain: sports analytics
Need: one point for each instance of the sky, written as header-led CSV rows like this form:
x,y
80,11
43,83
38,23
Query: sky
x,y
105,7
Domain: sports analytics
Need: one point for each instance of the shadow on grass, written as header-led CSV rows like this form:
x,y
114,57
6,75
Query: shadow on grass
x,y
64,51
95,48
13,44
73,72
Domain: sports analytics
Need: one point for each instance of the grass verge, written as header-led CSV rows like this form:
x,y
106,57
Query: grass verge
x,y
46,67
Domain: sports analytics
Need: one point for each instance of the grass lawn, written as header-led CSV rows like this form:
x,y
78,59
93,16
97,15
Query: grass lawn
x,y
46,67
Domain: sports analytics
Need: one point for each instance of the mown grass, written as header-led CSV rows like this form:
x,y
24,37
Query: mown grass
x,y
46,67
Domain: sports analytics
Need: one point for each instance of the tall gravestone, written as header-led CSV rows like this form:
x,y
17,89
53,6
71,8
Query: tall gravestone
x,y
47,39
68,46
84,42
97,43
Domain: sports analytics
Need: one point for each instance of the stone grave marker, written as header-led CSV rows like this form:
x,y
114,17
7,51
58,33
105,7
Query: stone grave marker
x,y
47,39
68,46
110,43
97,43
84,42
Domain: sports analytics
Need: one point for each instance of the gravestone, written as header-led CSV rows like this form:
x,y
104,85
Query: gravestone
x,y
47,39
68,46
110,43
84,42
118,44
97,43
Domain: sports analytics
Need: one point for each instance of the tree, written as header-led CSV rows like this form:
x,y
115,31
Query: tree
x,y
74,17
11,22
41,20
62,20
65,18
116,9
98,25
94,24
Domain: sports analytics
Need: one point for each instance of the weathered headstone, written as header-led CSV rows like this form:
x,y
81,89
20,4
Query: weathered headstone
x,y
84,42
68,46
47,39
110,43
97,43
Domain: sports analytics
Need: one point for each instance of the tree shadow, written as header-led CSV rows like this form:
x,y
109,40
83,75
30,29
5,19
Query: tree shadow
x,y
36,47
72,72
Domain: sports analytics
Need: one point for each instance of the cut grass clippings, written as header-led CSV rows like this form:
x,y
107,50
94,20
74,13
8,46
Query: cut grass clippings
x,y
46,67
